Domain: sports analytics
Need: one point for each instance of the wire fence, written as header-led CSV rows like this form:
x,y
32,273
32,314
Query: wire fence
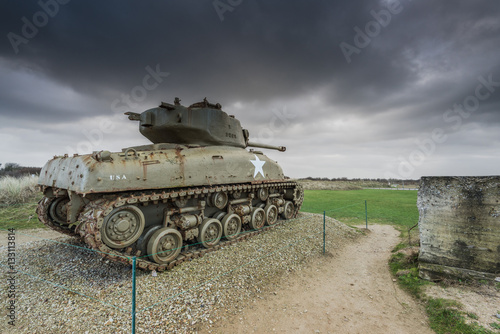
x,y
64,266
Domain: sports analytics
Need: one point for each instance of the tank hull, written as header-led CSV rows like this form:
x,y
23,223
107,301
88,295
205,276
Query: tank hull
x,y
158,167
143,199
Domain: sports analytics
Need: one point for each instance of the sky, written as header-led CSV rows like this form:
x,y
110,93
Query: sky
x,y
357,89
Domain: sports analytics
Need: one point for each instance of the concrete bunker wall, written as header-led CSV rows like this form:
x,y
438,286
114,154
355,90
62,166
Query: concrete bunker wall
x,y
459,227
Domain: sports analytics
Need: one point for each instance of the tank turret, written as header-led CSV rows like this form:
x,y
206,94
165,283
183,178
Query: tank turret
x,y
201,123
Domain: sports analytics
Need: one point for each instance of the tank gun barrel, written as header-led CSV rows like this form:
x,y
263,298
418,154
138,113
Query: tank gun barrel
x,y
279,148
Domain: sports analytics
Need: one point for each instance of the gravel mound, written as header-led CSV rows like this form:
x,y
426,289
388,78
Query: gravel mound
x,y
63,287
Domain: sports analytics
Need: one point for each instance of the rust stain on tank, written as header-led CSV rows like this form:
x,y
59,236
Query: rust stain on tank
x,y
145,165
182,161
144,171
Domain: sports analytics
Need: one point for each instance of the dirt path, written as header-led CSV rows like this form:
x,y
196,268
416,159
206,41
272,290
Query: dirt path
x,y
349,292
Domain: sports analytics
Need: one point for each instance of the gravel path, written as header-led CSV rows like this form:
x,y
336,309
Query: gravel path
x,y
65,288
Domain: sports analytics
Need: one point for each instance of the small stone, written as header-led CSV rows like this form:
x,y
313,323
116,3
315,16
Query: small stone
x,y
403,272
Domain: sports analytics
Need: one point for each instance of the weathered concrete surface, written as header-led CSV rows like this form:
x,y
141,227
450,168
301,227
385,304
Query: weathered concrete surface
x,y
459,227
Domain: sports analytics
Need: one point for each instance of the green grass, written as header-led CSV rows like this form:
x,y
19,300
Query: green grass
x,y
446,318
20,216
18,201
396,207
410,281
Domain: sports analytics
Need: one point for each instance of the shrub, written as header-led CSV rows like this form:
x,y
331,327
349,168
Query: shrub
x,y
17,190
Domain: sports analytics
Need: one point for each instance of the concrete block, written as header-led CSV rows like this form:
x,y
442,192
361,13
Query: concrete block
x,y
459,227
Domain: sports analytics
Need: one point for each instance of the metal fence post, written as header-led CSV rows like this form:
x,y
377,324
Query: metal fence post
x,y
366,215
324,230
133,294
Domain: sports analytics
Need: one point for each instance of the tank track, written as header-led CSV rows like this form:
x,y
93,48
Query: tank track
x,y
92,217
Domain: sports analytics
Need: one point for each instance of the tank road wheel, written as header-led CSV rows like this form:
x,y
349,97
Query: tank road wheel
x,y
57,211
271,214
288,210
164,246
258,219
210,232
232,226
122,227
263,194
219,200
219,215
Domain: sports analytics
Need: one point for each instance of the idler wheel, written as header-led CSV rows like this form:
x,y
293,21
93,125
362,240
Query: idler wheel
x,y
58,211
232,226
122,227
298,194
210,232
288,210
164,246
271,214
258,219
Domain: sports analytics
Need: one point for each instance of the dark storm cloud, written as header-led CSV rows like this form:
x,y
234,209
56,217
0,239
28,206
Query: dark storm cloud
x,y
263,56
268,48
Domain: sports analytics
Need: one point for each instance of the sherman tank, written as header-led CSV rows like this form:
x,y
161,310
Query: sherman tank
x,y
197,186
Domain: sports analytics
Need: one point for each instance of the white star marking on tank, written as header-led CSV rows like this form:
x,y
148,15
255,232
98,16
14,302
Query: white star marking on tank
x,y
258,166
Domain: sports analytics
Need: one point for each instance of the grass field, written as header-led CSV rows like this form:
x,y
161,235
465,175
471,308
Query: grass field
x,y
18,201
396,207
21,215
